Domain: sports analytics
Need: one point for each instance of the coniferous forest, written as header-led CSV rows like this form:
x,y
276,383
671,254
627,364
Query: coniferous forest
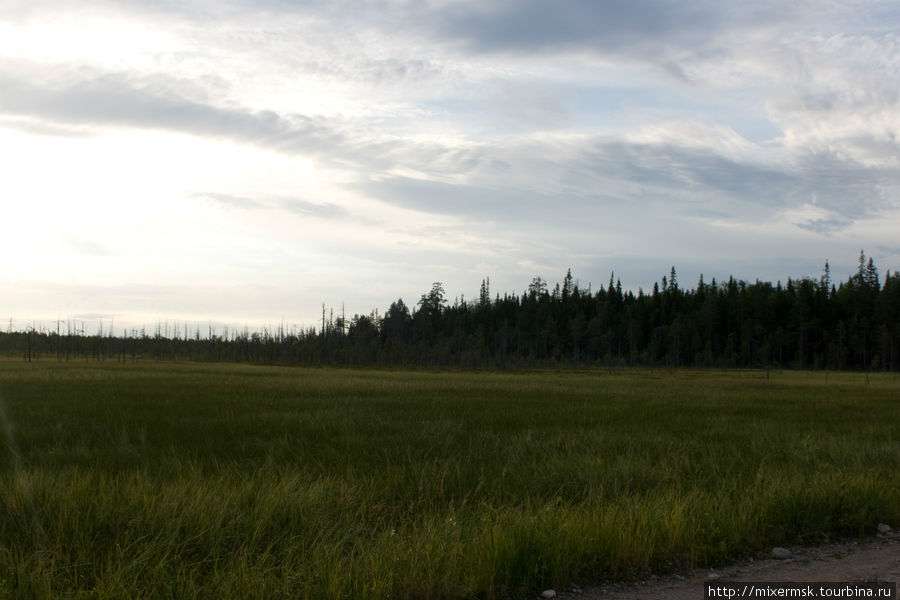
x,y
810,323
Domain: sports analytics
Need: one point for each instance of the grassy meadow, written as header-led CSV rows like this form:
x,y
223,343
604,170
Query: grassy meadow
x,y
157,480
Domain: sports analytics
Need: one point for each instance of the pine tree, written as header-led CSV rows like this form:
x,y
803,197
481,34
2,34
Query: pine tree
x,y
870,276
567,285
484,296
860,277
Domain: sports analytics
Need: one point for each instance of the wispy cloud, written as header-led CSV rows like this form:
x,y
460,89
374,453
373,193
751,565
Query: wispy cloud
x,y
150,103
513,179
297,206
325,210
231,201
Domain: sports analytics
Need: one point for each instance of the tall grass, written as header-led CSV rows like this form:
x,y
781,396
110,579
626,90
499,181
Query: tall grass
x,y
184,481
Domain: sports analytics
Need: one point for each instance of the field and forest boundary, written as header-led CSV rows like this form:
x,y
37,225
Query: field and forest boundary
x,y
805,324
204,480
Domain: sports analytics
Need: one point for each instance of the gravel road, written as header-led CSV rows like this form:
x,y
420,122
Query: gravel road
x,y
876,559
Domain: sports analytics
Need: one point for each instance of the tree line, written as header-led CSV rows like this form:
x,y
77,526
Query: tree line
x,y
809,323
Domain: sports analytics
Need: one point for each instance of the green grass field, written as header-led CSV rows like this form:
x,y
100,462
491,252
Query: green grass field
x,y
229,481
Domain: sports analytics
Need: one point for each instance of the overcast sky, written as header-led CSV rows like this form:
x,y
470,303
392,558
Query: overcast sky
x,y
245,161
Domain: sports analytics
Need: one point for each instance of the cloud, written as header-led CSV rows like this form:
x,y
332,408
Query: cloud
x,y
231,201
644,28
41,128
569,182
325,210
477,201
515,179
151,103
824,226
534,26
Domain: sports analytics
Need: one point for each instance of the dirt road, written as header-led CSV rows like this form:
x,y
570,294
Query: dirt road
x,y
877,559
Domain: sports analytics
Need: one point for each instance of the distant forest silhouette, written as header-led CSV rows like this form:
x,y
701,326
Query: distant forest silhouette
x,y
804,324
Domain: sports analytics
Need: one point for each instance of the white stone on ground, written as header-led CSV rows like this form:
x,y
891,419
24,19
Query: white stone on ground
x,y
781,553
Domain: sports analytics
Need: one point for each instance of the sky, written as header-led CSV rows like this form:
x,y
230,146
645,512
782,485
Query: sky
x,y
243,162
